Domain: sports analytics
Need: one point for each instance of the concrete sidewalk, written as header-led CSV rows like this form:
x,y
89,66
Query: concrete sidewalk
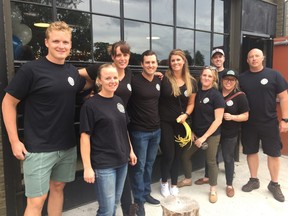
x,y
256,203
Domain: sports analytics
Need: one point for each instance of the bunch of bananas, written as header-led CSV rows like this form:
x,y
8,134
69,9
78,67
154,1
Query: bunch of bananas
x,y
183,141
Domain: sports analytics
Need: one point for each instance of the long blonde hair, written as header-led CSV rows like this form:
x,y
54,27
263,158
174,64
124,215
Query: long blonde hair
x,y
186,76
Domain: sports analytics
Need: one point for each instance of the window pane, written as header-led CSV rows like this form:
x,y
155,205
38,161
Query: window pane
x,y
185,41
218,41
81,40
162,43
162,11
219,16
185,13
106,30
203,15
111,7
202,49
28,40
136,35
43,2
136,9
76,4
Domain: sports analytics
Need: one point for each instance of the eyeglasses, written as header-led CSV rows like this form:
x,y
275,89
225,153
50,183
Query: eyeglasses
x,y
229,79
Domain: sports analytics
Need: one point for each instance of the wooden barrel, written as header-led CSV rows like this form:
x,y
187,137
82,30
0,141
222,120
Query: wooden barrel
x,y
179,206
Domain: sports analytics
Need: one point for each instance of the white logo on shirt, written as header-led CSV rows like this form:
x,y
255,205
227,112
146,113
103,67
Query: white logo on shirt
x,y
158,87
206,100
264,81
71,81
185,93
229,103
129,87
120,107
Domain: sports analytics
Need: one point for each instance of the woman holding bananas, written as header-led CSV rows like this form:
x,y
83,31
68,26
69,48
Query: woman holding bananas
x,y
206,119
178,90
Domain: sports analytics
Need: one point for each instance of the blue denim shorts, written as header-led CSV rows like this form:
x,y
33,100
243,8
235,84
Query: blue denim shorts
x,y
40,168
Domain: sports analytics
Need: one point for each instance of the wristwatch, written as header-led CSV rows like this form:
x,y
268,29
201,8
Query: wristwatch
x,y
285,120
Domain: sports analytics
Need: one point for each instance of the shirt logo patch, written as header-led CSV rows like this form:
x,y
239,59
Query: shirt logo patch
x,y
120,107
206,100
158,87
129,87
71,81
264,81
185,93
229,103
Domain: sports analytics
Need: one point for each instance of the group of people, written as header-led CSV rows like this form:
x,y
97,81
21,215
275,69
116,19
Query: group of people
x,y
128,117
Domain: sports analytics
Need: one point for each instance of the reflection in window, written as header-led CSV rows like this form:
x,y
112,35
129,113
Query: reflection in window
x,y
43,2
218,41
162,11
83,5
81,40
137,36
28,40
185,41
219,16
162,42
106,30
203,15
202,48
111,7
185,13
136,9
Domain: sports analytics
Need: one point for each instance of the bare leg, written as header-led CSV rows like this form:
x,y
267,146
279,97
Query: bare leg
x,y
253,163
274,167
56,198
35,205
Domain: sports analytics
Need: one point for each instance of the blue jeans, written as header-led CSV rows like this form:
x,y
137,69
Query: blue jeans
x,y
145,146
109,186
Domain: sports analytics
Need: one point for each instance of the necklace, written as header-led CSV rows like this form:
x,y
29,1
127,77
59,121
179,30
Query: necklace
x,y
204,96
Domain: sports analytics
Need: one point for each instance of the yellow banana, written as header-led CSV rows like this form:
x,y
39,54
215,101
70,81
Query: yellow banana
x,y
188,138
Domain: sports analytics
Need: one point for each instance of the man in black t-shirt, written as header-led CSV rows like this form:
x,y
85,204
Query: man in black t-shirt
x,y
261,86
48,86
144,128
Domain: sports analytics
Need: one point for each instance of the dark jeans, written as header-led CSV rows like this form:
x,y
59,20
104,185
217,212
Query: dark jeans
x,y
228,149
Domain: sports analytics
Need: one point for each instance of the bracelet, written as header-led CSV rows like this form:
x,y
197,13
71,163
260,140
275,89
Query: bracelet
x,y
187,114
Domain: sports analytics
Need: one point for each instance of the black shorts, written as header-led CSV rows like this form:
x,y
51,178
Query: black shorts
x,y
268,134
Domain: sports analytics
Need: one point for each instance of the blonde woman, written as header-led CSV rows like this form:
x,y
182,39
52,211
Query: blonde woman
x,y
206,119
178,90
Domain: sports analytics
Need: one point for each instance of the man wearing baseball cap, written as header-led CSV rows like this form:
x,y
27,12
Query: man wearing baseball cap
x,y
218,59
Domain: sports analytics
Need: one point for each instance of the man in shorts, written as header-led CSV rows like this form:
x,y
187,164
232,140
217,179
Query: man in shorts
x,y
48,87
262,85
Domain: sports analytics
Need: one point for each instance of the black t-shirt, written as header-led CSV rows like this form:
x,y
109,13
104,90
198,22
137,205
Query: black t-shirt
x,y
124,89
206,102
104,119
237,105
261,89
48,91
169,106
143,104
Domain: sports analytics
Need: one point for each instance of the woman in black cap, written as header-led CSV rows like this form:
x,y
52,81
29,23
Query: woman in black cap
x,y
236,111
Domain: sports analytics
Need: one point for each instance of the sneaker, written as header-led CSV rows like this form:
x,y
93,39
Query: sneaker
x,y
164,189
174,190
252,184
275,189
151,200
140,210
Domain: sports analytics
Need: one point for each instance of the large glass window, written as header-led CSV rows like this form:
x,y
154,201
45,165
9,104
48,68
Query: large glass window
x,y
162,11
106,30
202,48
185,13
185,41
111,7
162,42
203,15
42,2
219,16
136,9
218,41
137,36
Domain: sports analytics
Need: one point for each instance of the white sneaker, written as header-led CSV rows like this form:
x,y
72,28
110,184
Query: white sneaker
x,y
164,189
174,190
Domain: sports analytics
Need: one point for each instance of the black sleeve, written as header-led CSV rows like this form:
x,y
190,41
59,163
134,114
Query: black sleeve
x,y
92,70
